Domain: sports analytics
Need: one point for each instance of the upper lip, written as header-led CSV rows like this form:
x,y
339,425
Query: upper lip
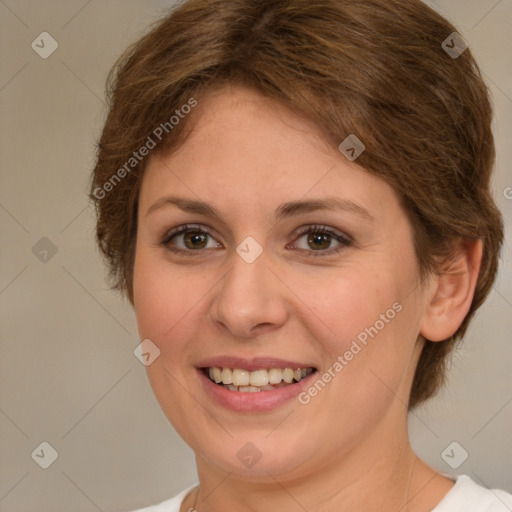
x,y
251,364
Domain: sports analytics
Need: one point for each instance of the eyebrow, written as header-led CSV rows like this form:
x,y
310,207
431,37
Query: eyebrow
x,y
282,211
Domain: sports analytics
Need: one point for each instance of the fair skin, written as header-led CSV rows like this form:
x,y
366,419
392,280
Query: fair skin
x,y
348,448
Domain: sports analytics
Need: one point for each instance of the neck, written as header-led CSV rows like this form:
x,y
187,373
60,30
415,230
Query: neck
x,y
374,477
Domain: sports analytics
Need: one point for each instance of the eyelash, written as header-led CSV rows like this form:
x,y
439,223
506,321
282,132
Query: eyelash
x,y
344,241
181,231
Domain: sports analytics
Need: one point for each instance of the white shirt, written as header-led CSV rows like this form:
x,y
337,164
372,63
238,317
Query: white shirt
x,y
464,496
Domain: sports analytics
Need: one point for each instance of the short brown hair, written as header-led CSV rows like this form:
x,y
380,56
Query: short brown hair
x,y
373,68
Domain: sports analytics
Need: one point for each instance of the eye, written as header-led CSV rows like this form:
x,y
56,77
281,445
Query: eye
x,y
187,239
320,240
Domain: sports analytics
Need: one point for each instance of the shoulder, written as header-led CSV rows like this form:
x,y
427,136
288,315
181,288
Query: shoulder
x,y
468,496
465,496
171,505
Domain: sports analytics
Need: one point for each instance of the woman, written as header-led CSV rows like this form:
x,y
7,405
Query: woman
x,y
294,196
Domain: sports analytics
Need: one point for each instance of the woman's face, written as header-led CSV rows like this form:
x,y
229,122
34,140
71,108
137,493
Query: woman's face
x,y
307,262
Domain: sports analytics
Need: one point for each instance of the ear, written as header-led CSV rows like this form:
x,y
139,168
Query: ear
x,y
452,292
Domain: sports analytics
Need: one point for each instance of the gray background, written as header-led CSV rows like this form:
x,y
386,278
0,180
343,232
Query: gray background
x,y
68,373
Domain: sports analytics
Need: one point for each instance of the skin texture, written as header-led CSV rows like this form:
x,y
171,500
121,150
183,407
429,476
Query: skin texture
x,y
347,449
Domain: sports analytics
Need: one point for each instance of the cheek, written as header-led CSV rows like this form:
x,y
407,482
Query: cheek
x,y
367,318
171,305
347,303
160,302
164,308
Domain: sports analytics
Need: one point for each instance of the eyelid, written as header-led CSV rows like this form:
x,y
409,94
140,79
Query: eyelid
x,y
321,228
343,239
182,230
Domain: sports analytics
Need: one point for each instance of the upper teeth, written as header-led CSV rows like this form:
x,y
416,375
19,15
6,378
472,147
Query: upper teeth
x,y
259,378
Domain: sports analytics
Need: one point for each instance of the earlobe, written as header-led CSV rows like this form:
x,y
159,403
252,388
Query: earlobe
x,y
452,292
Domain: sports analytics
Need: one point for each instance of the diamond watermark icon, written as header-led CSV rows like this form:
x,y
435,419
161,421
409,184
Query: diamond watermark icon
x,y
249,250
146,352
44,250
44,45
454,455
454,45
45,455
249,455
352,147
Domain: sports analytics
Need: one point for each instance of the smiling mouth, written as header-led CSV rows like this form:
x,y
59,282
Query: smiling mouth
x,y
244,381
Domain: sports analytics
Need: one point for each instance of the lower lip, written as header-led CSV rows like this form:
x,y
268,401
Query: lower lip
x,y
256,401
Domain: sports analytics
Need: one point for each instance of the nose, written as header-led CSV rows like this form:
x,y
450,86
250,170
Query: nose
x,y
250,300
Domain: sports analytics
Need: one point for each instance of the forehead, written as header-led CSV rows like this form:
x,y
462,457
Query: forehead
x,y
248,149
239,122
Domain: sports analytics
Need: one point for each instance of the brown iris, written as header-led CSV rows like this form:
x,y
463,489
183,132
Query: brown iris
x,y
323,240
195,240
